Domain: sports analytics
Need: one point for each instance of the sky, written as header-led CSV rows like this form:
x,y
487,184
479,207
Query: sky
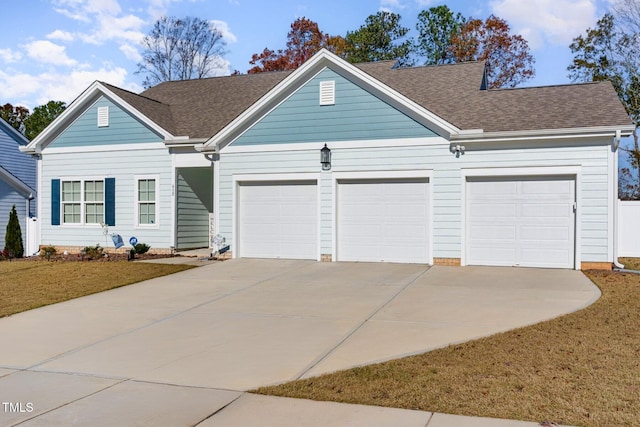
x,y
54,49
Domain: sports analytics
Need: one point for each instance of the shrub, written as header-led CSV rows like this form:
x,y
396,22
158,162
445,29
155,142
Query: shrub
x,y
48,251
141,248
92,252
13,237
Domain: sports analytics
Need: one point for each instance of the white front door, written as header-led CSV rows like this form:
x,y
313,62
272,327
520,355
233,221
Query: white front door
x,y
521,221
383,220
278,220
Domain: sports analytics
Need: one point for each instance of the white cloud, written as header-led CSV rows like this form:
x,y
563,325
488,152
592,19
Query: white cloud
x,y
388,5
131,52
10,55
41,88
49,53
425,3
105,20
556,22
223,27
64,36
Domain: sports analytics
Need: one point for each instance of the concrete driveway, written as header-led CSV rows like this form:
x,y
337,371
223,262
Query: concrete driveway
x,y
175,350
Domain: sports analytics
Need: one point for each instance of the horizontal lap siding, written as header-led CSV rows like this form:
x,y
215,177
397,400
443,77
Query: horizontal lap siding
x,y
123,129
123,166
446,185
192,214
356,115
8,198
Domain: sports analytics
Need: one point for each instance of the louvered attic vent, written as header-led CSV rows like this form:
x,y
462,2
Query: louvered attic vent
x,y
103,117
328,92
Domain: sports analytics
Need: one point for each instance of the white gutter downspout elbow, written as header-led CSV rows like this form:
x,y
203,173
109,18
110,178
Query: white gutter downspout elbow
x,y
616,144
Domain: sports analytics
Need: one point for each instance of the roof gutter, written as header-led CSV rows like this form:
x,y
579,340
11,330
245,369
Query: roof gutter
x,y
184,141
478,135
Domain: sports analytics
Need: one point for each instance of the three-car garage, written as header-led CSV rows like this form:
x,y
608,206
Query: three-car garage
x,y
527,221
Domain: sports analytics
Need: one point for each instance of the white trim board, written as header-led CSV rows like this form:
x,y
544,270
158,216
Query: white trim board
x,y
310,146
106,148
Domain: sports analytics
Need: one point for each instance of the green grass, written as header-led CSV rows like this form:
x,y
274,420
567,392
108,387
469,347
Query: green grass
x,y
25,285
580,369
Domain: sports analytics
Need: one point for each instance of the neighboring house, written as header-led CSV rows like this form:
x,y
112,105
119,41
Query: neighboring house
x,y
17,184
427,166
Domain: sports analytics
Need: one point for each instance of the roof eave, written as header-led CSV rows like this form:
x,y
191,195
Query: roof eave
x,y
477,135
16,183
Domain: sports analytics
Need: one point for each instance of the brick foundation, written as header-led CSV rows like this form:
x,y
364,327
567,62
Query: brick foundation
x,y
452,262
596,266
325,258
226,255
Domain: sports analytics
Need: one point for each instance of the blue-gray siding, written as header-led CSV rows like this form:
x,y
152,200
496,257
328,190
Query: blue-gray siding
x,y
194,190
356,115
23,167
123,128
9,197
124,166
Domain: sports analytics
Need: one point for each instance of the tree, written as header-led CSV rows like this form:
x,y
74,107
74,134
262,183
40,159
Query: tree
x,y
436,26
41,117
379,39
611,51
15,116
180,49
13,236
509,61
303,41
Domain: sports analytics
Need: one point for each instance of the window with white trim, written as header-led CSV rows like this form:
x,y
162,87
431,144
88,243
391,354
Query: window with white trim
x,y
82,202
147,201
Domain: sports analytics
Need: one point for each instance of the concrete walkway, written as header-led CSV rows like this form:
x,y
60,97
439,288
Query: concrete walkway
x,y
182,349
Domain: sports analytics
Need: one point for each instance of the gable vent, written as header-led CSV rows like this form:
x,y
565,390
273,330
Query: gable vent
x,y
328,92
103,117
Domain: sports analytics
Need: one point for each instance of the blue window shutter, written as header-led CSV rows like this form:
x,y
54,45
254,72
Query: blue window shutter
x,y
110,201
55,202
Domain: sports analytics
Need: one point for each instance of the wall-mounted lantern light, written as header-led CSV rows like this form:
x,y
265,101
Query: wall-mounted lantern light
x,y
325,158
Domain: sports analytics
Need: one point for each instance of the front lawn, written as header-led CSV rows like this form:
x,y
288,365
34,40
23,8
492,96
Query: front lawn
x,y
580,369
30,284
630,263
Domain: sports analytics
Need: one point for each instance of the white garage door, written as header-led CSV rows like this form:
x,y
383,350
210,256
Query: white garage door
x,y
527,222
383,220
278,220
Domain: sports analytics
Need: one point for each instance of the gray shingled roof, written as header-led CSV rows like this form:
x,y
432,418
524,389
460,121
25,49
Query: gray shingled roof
x,y
201,108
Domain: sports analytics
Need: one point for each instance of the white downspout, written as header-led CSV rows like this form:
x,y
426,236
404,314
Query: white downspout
x,y
616,144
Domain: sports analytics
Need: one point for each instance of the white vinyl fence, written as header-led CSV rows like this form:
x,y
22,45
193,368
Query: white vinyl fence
x,y
628,228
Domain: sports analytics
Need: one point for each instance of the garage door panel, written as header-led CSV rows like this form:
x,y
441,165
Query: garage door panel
x,y
547,210
383,220
547,258
547,188
493,231
499,188
278,220
506,210
533,226
545,233
490,255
